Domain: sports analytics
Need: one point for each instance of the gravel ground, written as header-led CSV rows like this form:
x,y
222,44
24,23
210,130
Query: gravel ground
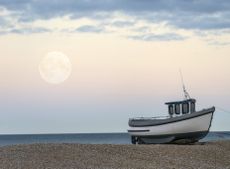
x,y
213,155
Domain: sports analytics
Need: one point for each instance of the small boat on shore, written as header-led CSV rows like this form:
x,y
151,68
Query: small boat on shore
x,y
183,125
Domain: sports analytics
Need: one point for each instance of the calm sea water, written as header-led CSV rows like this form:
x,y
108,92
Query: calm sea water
x,y
94,138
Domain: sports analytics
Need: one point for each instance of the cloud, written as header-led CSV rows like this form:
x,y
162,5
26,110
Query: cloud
x,y
90,29
158,37
208,21
60,6
217,43
3,22
144,20
122,24
25,30
194,14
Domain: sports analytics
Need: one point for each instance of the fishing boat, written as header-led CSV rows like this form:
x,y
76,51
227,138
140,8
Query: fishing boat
x,y
182,125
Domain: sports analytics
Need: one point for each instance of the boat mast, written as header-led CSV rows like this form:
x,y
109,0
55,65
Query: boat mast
x,y
186,95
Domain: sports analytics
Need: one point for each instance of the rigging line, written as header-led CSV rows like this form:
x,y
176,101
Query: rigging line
x,y
186,95
217,107
223,110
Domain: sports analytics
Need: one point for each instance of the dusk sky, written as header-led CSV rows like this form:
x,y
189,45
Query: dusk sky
x,y
125,58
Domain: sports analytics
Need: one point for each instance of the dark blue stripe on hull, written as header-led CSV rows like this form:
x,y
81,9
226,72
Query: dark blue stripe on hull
x,y
130,131
172,138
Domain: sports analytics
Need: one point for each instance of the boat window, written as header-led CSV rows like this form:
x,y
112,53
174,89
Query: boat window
x,y
185,109
171,109
177,108
193,108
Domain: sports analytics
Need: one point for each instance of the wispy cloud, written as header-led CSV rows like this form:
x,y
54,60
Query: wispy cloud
x,y
30,30
25,30
90,29
218,43
158,37
123,23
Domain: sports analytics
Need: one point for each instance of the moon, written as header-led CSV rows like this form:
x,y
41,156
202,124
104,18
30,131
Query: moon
x,y
55,67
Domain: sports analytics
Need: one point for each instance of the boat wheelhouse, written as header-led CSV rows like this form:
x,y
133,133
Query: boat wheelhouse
x,y
181,107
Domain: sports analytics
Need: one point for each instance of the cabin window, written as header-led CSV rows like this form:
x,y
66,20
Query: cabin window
x,y
185,108
171,109
177,108
193,109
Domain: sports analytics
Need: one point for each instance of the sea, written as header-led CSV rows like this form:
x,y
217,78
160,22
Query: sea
x,y
89,138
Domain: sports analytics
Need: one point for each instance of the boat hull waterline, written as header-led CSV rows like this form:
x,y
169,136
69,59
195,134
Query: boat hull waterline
x,y
187,128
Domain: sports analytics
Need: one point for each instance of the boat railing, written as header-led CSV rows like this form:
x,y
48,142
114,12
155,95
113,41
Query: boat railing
x,y
150,118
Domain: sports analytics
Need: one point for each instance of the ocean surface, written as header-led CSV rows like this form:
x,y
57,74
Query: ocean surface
x,y
89,138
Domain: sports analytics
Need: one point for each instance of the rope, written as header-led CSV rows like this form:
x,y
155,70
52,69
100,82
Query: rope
x,y
217,107
223,110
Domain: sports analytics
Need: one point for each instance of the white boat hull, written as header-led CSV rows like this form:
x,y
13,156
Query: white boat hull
x,y
197,124
189,127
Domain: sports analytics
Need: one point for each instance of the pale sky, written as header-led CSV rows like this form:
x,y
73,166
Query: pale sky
x,y
125,57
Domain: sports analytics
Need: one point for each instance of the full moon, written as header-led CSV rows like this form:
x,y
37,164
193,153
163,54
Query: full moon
x,y
55,67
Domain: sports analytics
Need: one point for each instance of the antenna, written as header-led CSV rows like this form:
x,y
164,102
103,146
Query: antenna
x,y
186,95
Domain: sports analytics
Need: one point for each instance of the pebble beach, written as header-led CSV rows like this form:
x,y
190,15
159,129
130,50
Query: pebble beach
x,y
212,155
